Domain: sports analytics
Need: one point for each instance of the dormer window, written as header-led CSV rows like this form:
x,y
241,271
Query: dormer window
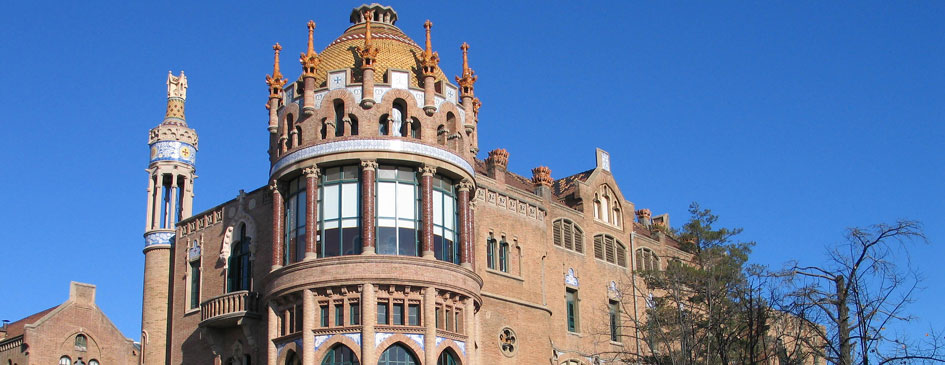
x,y
607,207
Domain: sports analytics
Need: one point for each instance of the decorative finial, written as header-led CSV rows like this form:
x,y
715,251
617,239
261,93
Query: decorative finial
x,y
176,95
309,59
275,81
429,59
368,52
541,176
469,76
176,85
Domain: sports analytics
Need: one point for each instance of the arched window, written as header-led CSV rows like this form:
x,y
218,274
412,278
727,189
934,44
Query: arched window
x,y
340,355
567,234
65,360
294,250
93,362
447,357
607,206
353,124
292,358
397,354
609,249
240,267
81,342
647,259
290,130
339,117
397,208
194,284
504,256
445,246
491,248
339,211
441,135
415,128
382,125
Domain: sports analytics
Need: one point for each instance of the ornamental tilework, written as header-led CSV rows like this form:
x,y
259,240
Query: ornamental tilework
x,y
173,151
570,279
158,238
371,146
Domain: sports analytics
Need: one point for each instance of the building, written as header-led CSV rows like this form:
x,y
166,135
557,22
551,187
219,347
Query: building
x,y
74,332
380,238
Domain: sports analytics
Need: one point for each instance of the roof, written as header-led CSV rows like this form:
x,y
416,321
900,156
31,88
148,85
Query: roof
x,y
397,51
16,329
566,186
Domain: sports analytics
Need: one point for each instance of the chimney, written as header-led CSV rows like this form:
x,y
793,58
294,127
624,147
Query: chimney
x,y
3,329
643,216
496,164
541,178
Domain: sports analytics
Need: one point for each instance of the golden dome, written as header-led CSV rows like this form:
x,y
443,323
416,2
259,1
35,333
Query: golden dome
x,y
397,51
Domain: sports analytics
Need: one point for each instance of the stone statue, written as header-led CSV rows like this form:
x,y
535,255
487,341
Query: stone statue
x,y
396,120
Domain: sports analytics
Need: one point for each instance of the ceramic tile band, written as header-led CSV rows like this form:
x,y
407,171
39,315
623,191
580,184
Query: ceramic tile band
x,y
371,146
158,238
173,151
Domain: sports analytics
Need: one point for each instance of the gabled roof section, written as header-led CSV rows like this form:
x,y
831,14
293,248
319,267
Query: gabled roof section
x,y
566,186
16,329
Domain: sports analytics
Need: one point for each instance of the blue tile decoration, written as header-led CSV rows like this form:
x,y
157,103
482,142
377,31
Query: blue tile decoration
x,y
356,337
173,151
380,337
460,344
322,339
368,145
570,279
158,239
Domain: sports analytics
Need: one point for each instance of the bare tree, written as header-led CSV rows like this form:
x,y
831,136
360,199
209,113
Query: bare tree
x,y
858,294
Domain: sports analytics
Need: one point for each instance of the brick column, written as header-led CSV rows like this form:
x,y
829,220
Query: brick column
x,y
273,332
368,170
469,328
429,325
426,209
308,323
368,321
151,189
277,224
311,212
472,234
464,241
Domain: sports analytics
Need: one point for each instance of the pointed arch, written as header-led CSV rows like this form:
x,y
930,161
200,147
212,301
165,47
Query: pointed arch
x,y
339,354
448,357
398,354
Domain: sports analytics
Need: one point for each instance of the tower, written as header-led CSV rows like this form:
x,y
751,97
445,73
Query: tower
x,y
170,197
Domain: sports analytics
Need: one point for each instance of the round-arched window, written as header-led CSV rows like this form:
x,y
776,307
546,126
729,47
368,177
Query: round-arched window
x,y
81,342
508,342
65,360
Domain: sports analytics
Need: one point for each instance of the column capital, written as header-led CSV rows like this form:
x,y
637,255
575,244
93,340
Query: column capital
x,y
311,171
369,165
466,185
427,170
274,186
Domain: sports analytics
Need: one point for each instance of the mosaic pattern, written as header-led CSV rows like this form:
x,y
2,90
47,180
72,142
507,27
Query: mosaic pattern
x,y
380,337
173,151
570,279
193,254
158,238
321,339
460,344
371,146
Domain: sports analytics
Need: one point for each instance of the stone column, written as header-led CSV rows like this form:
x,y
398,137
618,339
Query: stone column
x,y
172,209
187,205
158,200
429,103
311,212
368,321
472,234
367,87
429,325
277,222
273,332
469,329
426,209
149,225
308,324
465,246
368,170
308,94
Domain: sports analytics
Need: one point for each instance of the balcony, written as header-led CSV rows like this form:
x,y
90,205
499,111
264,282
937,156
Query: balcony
x,y
229,309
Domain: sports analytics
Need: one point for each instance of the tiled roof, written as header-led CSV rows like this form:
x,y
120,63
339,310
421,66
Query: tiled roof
x,y
16,329
396,51
511,179
566,186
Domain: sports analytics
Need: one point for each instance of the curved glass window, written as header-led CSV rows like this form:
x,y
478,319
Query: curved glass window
x,y
447,358
397,210
397,354
240,268
340,355
339,223
445,246
294,250
65,360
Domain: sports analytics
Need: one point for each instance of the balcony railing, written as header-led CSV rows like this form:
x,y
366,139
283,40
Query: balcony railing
x,y
229,308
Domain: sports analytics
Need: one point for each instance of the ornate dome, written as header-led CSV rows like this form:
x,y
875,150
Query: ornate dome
x,y
397,50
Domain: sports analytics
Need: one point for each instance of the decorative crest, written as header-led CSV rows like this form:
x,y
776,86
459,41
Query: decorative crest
x,y
498,157
309,59
275,81
476,105
176,85
369,51
429,59
541,176
469,76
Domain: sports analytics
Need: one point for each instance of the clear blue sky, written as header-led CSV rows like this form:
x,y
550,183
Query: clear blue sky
x,y
793,120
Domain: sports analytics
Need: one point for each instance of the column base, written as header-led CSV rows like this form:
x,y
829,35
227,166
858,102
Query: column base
x,y
429,110
310,256
308,109
368,252
466,265
429,255
275,267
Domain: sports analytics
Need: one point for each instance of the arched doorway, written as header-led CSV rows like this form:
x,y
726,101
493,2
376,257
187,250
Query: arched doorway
x,y
397,354
340,355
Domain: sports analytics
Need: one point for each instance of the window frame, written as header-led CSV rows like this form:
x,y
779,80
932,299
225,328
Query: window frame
x,y
560,235
340,221
611,250
398,181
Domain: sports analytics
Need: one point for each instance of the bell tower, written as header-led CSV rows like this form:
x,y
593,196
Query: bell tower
x,y
173,148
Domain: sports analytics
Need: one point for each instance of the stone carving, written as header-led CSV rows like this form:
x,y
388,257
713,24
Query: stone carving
x,y
396,120
176,85
225,249
541,176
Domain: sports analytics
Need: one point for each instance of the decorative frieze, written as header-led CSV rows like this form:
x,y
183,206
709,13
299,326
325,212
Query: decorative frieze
x,y
198,223
515,206
173,151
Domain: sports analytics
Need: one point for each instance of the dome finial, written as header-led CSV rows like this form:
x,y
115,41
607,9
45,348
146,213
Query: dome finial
x,y
469,76
309,59
429,59
275,81
176,95
368,52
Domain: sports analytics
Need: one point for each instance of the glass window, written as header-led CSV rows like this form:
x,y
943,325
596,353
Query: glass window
x,y
445,245
413,314
340,355
572,306
397,208
504,256
339,315
447,358
397,354
93,362
382,313
294,250
81,342
240,268
614,320
398,314
324,316
449,320
194,287
490,252
339,220
355,313
65,360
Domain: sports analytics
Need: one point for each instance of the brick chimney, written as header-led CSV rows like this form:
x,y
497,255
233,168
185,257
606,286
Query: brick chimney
x,y
643,216
497,163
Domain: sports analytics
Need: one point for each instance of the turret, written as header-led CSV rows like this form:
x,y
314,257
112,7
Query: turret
x,y
428,63
368,55
170,198
470,101
309,61
275,82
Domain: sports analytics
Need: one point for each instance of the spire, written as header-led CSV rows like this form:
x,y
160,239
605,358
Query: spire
x,y
275,81
369,51
309,59
176,95
429,59
469,76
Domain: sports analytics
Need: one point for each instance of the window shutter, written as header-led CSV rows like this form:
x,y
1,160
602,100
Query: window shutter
x,y
599,247
621,255
568,236
578,240
639,259
609,243
557,233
